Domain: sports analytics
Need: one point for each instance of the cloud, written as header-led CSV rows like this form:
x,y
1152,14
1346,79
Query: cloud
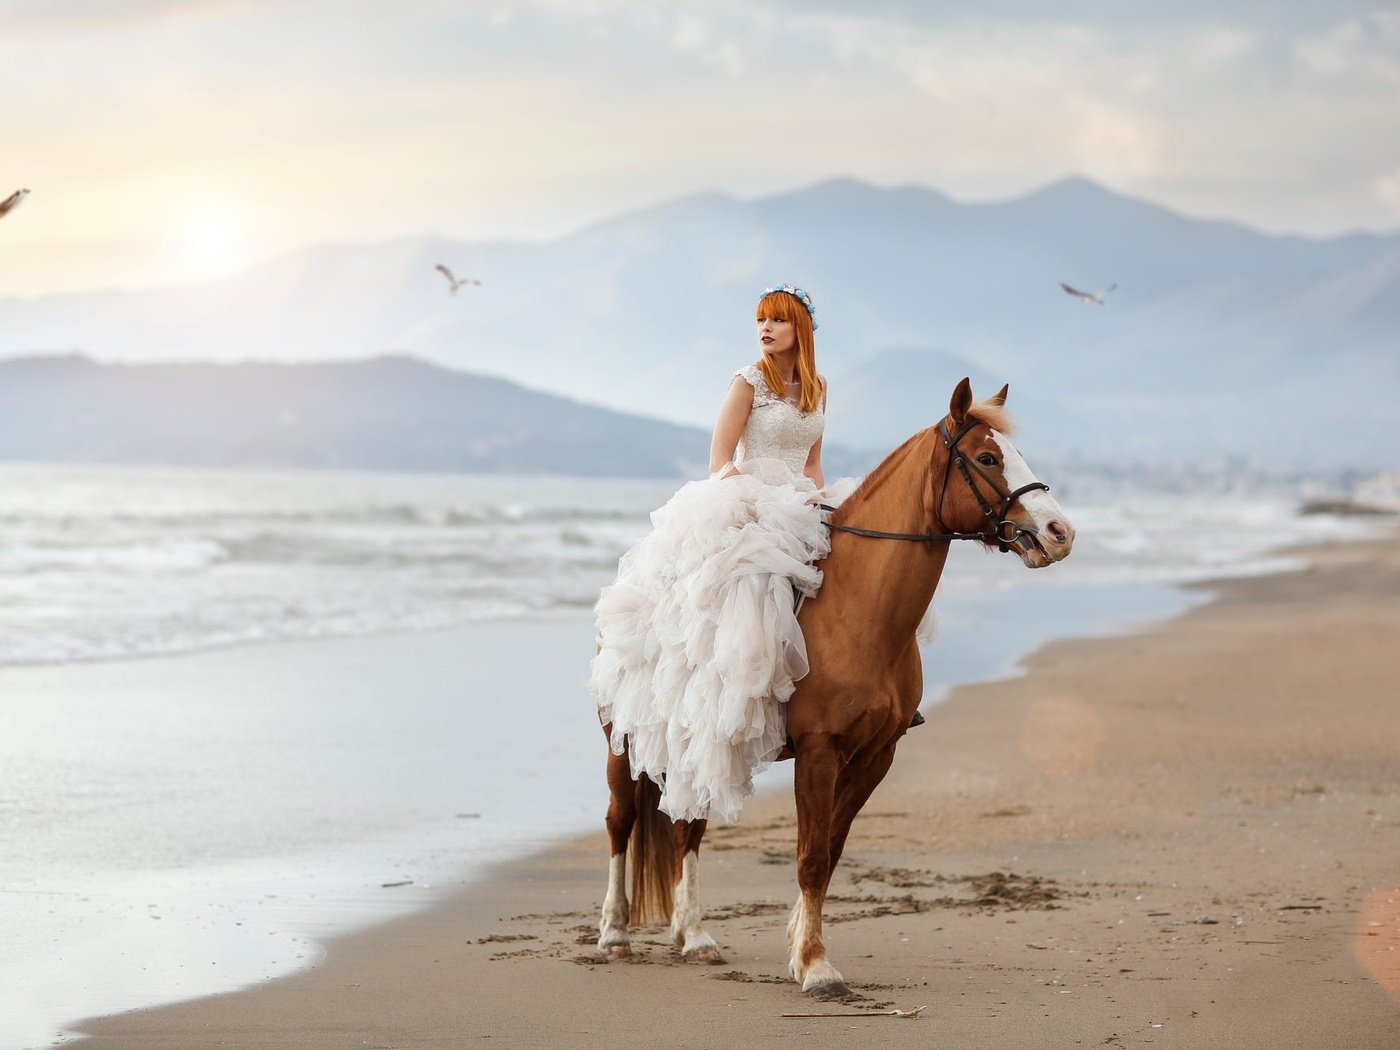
x,y
1146,21
1067,98
1365,48
1225,45
527,117
693,35
1386,189
59,17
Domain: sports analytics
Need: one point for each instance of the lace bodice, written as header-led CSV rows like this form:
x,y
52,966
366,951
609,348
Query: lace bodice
x,y
776,428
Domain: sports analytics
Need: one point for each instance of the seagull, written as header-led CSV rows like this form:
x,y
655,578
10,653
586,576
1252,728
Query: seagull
x,y
1088,297
452,279
9,203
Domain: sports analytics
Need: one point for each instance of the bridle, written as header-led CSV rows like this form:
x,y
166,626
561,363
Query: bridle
x,y
1005,533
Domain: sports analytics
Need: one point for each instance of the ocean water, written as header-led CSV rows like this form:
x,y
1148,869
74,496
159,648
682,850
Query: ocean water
x,y
109,563
243,711
115,563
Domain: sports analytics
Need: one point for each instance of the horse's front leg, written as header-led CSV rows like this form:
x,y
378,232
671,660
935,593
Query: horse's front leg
x,y
613,938
854,787
695,944
815,788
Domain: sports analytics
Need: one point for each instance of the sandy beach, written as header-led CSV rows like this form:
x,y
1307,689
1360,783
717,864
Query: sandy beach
x,y
1185,837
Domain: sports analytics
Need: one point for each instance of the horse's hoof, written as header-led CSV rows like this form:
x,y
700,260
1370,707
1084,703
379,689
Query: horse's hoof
x,y
614,952
827,992
709,956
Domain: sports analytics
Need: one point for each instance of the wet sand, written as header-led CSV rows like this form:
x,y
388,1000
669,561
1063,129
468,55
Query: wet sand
x,y
1188,837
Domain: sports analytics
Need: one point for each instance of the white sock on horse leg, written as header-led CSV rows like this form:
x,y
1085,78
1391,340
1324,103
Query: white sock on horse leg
x,y
612,928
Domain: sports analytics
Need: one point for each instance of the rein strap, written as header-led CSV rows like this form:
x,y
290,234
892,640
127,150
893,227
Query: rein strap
x,y
1004,534
928,538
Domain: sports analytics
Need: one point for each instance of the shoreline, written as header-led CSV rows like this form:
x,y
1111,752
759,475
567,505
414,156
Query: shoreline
x,y
236,922
1076,810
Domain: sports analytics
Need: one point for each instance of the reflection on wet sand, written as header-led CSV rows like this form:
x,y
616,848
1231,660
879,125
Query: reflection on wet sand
x,y
1376,943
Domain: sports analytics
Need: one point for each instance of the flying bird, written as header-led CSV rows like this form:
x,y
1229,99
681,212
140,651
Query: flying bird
x,y
12,201
453,280
1088,297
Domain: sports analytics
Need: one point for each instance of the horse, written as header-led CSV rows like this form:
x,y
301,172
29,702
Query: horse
x,y
961,479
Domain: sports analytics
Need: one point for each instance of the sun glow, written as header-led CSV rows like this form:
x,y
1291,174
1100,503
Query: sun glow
x,y
212,240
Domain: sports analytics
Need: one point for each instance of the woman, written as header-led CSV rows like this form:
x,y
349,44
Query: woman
x,y
698,641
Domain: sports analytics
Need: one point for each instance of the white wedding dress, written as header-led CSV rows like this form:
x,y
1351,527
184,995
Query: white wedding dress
x,y
699,645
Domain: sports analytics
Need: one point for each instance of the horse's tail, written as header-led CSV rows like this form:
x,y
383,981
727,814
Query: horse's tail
x,y
653,858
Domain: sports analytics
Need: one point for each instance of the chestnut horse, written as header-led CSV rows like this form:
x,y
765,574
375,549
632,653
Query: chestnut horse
x,y
866,678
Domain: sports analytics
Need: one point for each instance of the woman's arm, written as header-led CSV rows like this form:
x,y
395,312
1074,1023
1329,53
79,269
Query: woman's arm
x,y
733,414
813,467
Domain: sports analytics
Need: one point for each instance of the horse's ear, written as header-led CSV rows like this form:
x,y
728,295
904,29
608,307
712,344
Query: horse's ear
x,y
961,402
999,398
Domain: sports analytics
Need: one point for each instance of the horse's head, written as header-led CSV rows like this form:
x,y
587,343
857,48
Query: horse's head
x,y
986,486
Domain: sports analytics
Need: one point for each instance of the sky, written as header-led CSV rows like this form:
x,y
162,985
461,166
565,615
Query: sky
x,y
178,140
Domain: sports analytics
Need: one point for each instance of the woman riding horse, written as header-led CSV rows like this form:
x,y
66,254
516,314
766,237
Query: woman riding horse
x,y
705,672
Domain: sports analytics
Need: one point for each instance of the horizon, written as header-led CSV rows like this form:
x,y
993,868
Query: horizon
x,y
1187,473
167,142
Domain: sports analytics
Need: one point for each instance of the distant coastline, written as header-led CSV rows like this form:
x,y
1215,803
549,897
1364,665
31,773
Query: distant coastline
x,y
392,413
400,414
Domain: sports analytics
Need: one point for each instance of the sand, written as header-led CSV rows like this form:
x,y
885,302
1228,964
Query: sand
x,y
1185,837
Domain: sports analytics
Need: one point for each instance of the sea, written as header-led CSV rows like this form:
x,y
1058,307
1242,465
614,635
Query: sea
x,y
244,711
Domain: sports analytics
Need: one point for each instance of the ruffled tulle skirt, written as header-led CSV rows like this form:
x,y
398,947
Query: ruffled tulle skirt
x,y
698,642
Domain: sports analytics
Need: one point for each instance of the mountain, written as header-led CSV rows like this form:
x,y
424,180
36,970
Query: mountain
x,y
390,413
1220,342
887,397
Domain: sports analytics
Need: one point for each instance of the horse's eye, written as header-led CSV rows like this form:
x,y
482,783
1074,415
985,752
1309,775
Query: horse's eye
x,y
987,459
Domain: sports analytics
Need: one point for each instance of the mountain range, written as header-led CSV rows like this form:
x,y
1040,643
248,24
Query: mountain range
x,y
1219,343
388,413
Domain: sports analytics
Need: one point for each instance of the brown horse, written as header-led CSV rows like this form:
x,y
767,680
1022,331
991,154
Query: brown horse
x,y
866,677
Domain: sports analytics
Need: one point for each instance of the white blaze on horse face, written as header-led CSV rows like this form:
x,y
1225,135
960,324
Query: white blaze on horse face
x,y
1038,503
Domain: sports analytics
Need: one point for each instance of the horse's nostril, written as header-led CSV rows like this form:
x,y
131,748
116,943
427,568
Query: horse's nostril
x,y
1057,531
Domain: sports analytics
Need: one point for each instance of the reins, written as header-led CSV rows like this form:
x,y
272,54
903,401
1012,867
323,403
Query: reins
x,y
1004,533
928,538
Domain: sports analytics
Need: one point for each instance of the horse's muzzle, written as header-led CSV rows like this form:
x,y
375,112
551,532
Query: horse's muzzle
x,y
1044,546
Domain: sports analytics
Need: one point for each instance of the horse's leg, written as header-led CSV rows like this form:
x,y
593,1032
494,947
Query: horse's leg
x,y
817,769
854,786
695,944
622,814
853,789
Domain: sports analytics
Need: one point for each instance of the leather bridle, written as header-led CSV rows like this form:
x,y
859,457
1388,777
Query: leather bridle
x,y
1005,533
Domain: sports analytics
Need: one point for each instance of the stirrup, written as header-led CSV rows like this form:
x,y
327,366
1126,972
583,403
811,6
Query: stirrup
x,y
918,719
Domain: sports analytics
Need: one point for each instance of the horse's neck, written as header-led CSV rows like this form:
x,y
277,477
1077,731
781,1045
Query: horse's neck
x,y
885,586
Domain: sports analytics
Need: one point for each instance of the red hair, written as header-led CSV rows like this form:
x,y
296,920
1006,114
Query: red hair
x,y
784,306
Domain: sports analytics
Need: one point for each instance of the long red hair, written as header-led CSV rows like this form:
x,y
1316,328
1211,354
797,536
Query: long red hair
x,y
784,306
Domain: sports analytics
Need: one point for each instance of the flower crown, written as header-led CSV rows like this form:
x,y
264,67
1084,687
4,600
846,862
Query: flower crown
x,y
801,296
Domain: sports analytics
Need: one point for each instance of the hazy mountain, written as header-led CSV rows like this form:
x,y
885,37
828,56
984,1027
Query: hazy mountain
x,y
885,398
390,413
1219,342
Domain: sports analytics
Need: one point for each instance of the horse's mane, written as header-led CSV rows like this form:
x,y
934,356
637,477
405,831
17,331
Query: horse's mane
x,y
994,415
881,473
